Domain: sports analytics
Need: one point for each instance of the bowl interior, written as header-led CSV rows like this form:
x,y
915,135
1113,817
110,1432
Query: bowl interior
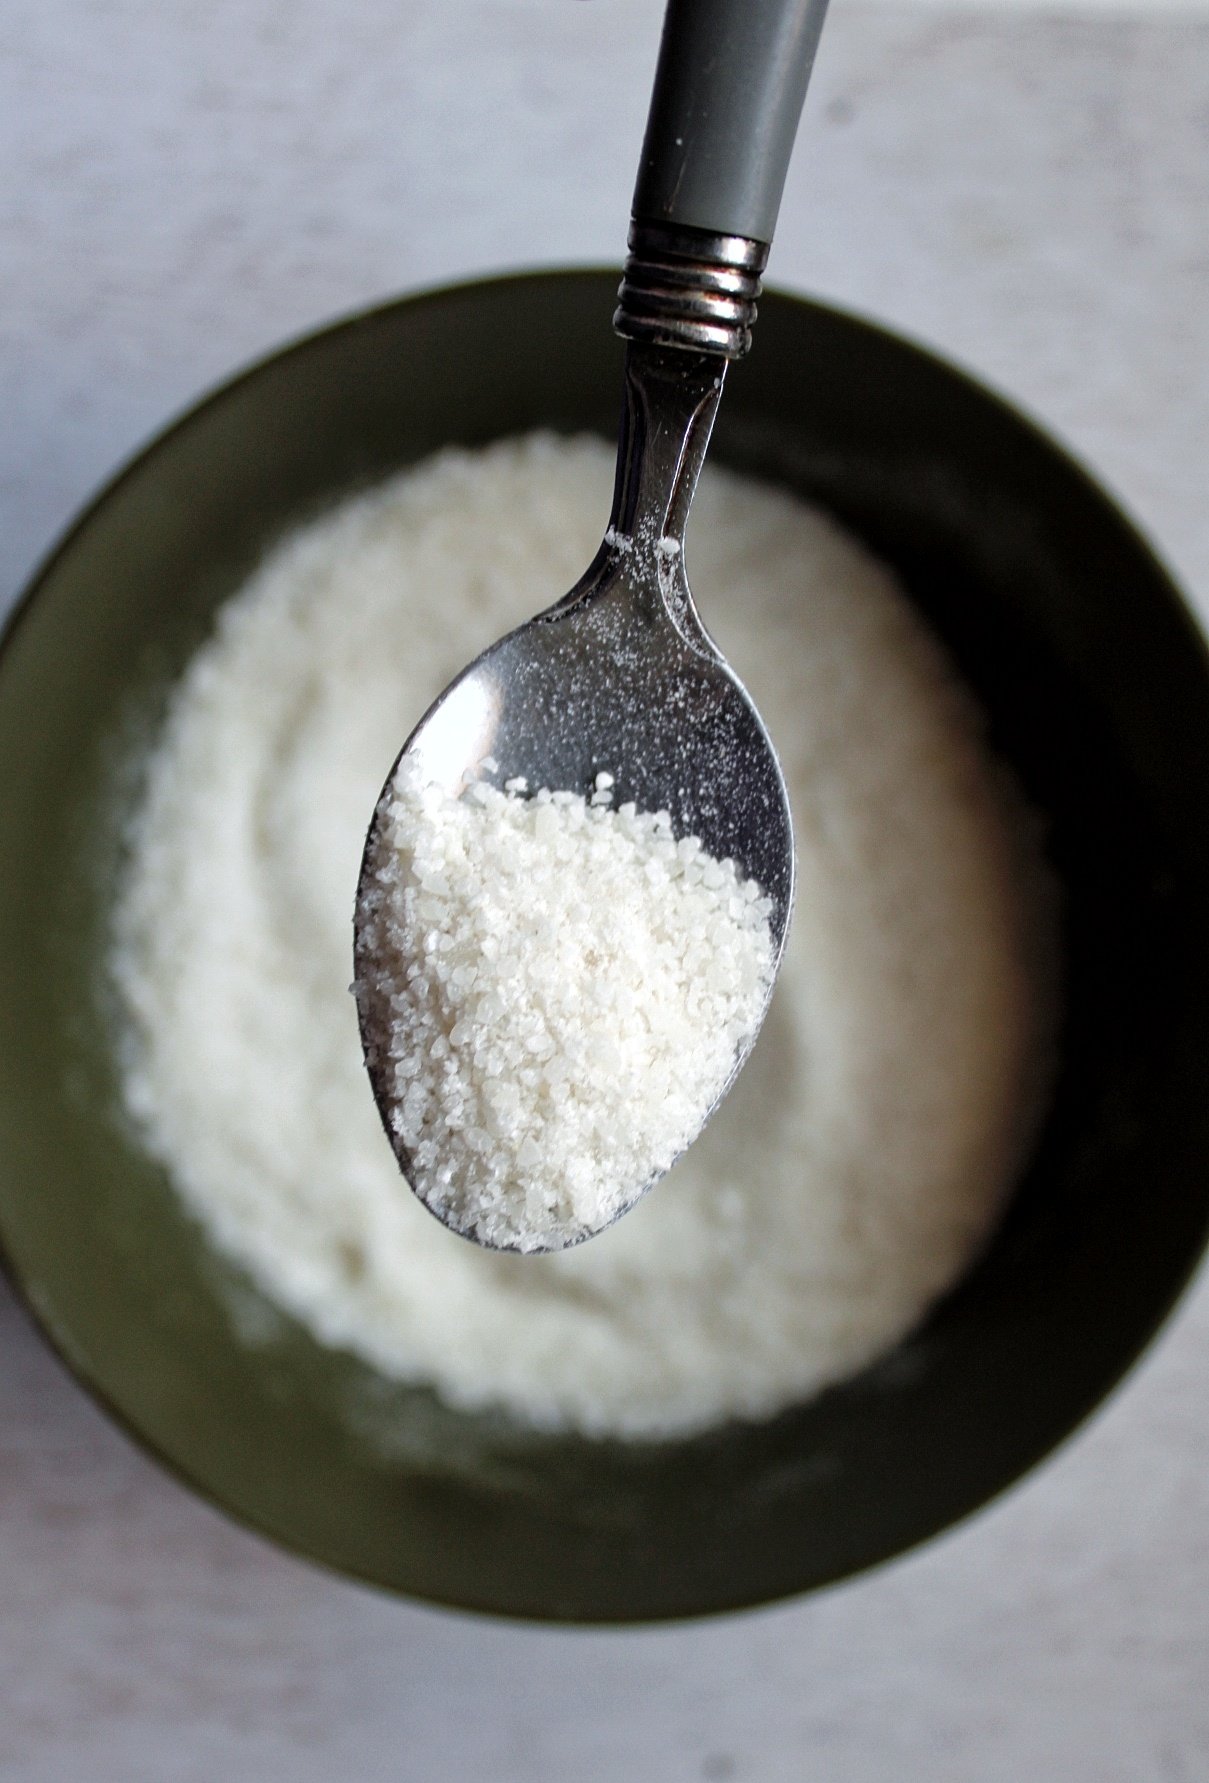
x,y
1095,683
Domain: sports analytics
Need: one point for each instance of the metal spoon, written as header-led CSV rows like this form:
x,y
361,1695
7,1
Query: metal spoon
x,y
621,674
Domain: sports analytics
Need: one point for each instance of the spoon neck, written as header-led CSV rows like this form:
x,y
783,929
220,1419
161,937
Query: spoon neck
x,y
670,400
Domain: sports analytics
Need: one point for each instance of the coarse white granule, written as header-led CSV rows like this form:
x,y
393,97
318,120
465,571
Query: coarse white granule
x,y
865,1150
565,988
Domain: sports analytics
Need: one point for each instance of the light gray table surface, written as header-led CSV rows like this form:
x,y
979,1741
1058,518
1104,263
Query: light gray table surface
x,y
185,185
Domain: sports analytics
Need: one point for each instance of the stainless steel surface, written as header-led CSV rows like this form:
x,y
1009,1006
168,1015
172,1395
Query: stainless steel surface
x,y
686,288
621,675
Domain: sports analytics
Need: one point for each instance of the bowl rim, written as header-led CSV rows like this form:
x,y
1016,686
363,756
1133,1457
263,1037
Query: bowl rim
x,y
435,295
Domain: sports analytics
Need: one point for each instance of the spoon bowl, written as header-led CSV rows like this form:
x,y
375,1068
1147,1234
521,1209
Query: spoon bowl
x,y
619,677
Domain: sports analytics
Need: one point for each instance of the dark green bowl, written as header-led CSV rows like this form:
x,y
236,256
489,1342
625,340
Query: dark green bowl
x,y
1096,684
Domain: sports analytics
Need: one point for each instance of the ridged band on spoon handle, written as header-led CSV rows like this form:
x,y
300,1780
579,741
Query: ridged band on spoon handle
x,y
686,288
729,88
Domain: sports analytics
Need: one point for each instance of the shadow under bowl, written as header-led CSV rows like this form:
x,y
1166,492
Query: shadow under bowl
x,y
1095,682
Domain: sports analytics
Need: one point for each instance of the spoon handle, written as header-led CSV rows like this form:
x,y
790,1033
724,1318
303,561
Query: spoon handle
x,y
729,89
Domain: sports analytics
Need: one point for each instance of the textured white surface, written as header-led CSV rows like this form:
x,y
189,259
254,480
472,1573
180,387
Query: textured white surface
x,y
887,1100
183,186
518,948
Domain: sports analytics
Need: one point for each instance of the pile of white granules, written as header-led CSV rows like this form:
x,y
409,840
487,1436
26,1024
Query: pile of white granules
x,y
865,1151
562,989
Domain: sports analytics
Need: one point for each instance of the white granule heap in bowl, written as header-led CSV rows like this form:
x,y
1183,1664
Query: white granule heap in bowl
x,y
564,989
864,1154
